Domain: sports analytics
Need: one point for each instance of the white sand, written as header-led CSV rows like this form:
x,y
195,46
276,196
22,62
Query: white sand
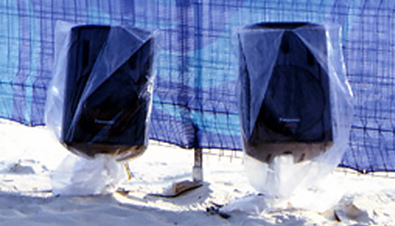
x,y
29,155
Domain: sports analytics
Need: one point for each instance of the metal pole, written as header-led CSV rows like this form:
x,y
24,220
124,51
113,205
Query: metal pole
x,y
197,172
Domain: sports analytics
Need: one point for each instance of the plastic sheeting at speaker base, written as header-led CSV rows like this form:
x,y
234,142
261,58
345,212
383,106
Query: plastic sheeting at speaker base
x,y
77,176
307,200
284,184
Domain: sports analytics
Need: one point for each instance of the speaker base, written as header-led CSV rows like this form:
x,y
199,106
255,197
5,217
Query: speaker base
x,y
120,152
266,152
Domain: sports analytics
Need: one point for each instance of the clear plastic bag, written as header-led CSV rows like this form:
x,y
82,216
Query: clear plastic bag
x,y
100,97
77,176
296,105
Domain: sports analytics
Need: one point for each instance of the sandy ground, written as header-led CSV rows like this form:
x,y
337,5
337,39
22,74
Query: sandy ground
x,y
30,155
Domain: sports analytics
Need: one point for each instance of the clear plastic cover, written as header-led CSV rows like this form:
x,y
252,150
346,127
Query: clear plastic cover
x,y
100,97
296,105
77,176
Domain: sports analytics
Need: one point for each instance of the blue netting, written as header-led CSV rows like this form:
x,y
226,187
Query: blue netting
x,y
194,99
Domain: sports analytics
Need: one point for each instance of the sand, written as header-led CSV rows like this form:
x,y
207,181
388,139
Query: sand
x,y
30,156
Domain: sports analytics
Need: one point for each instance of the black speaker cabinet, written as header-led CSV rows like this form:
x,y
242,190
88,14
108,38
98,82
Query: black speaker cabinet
x,y
295,113
112,118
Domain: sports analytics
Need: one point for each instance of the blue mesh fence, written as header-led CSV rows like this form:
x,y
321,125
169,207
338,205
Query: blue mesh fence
x,y
194,98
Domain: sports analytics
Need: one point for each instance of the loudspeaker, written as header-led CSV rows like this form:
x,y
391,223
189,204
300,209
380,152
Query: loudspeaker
x,y
295,113
112,118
